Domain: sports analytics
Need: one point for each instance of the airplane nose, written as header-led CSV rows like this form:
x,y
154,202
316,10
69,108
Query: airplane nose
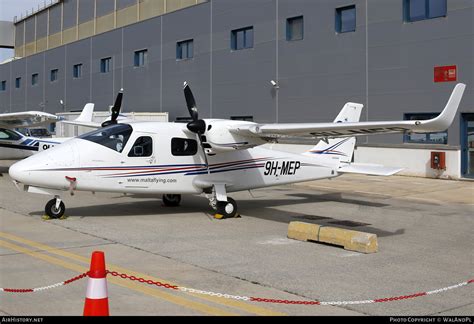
x,y
18,171
47,169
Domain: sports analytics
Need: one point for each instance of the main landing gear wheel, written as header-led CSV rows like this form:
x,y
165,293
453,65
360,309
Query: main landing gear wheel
x,y
54,212
171,200
226,209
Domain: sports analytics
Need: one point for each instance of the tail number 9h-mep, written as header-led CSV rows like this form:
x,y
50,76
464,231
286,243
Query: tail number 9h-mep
x,y
278,168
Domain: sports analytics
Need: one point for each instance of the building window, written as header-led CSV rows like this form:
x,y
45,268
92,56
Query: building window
x,y
185,50
18,83
428,138
77,71
294,28
3,86
34,79
346,19
54,75
140,58
415,10
105,64
242,38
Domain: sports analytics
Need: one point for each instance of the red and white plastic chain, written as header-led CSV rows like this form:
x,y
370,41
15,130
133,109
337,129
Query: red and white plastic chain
x,y
303,302
244,298
59,284
141,280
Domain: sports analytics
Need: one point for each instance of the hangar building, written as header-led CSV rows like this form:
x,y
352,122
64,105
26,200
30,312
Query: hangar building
x,y
265,60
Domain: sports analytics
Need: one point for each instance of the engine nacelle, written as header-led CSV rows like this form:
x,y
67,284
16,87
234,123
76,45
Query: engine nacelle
x,y
218,138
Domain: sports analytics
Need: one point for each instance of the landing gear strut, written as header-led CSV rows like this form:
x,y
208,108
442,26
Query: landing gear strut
x,y
55,208
224,206
171,200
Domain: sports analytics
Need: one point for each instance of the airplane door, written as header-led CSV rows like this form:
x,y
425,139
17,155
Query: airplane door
x,y
139,156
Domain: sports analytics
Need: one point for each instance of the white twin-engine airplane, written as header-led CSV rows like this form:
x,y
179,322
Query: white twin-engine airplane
x,y
210,156
14,145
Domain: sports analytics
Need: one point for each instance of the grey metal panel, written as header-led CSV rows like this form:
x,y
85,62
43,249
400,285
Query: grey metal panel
x,y
5,95
78,90
142,84
195,71
30,30
42,24
241,78
324,70
125,3
402,57
18,95
316,75
7,32
19,34
34,92
105,7
86,10
69,13
55,19
54,91
105,86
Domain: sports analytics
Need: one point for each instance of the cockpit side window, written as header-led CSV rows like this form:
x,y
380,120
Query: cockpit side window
x,y
183,146
114,137
9,135
143,147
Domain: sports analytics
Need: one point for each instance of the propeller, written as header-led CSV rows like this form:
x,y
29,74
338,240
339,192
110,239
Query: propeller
x,y
115,111
197,126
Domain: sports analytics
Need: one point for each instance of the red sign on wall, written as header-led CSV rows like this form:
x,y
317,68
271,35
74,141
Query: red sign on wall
x,y
445,73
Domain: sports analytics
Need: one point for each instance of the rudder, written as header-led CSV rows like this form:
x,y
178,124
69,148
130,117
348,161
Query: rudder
x,y
338,150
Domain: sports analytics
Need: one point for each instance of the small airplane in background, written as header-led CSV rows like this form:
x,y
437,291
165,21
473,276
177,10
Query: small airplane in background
x,y
206,156
14,145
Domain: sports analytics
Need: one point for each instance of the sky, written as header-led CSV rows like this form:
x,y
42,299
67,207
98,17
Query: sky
x,y
12,8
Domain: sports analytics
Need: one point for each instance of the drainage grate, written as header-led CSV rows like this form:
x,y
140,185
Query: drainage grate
x,y
348,223
309,217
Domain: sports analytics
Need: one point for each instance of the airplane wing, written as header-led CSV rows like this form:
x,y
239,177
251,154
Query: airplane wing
x,y
27,119
333,130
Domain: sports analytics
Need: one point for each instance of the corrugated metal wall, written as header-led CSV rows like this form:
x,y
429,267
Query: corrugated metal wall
x,y
388,67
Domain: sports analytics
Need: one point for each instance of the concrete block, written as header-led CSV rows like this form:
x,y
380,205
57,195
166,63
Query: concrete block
x,y
350,240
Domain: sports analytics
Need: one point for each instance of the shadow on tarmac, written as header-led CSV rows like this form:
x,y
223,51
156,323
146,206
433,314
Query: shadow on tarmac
x,y
260,208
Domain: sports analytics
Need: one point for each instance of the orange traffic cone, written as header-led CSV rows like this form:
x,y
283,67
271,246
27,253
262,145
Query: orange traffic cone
x,y
97,300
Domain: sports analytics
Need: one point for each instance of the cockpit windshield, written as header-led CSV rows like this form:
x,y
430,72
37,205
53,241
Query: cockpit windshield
x,y
114,137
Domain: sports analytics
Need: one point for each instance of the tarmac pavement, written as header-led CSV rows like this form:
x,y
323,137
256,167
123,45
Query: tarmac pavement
x,y
424,229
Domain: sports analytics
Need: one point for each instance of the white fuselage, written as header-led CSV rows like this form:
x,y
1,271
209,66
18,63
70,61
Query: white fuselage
x,y
97,168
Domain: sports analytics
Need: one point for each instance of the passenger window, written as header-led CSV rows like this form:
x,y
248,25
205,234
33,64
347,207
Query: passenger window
x,y
143,147
183,146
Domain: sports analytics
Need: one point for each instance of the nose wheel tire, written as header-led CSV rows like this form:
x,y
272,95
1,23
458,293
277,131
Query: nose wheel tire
x,y
171,200
226,209
54,212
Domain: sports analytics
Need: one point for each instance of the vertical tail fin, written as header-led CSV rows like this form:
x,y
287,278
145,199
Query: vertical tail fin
x,y
338,150
86,114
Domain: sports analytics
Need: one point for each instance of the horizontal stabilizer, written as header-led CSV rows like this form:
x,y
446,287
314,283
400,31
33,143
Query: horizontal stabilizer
x,y
370,169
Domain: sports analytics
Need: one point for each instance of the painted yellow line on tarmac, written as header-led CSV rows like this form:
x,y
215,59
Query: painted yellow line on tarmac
x,y
203,308
227,302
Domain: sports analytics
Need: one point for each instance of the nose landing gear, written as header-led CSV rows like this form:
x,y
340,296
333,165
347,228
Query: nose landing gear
x,y
55,208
